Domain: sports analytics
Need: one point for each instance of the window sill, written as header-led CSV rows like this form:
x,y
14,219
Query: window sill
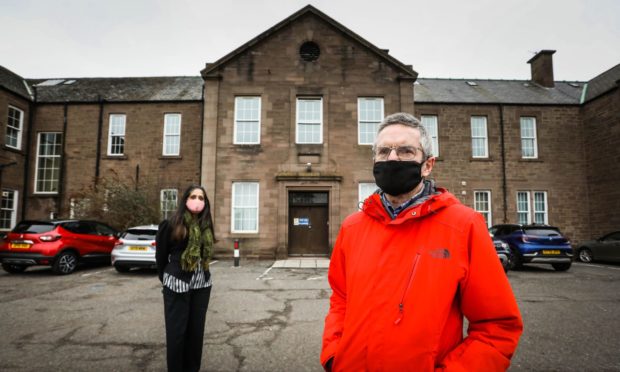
x,y
531,160
44,194
170,157
13,149
489,159
113,157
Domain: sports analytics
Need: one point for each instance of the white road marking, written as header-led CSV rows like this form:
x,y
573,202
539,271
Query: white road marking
x,y
315,278
265,273
95,273
594,265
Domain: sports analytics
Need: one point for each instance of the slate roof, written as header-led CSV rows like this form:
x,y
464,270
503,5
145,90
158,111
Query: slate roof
x,y
128,89
14,83
603,83
406,70
496,91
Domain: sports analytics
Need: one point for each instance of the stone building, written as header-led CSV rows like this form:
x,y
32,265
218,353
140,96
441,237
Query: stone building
x,y
280,130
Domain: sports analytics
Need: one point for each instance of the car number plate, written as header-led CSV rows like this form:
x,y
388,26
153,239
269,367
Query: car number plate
x,y
551,251
137,248
19,246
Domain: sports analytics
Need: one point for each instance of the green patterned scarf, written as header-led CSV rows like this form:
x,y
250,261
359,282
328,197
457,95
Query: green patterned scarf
x,y
199,245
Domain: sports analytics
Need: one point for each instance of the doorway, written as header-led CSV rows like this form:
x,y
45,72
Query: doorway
x,y
308,223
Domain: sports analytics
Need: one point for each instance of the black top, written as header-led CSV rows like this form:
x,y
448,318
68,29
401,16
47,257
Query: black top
x,y
168,254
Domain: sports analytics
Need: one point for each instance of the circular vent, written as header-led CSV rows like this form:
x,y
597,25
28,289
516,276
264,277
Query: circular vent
x,y
309,51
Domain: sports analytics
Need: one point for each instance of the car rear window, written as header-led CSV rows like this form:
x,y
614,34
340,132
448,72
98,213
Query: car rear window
x,y
538,231
33,227
139,234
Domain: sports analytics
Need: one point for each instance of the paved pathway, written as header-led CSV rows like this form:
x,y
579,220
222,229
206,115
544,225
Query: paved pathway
x,y
302,262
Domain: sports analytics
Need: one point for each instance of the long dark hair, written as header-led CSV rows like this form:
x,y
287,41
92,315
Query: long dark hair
x,y
179,230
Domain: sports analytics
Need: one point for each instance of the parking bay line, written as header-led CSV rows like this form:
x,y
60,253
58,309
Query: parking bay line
x,y
601,266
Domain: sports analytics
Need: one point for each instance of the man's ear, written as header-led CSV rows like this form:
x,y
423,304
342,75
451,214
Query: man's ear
x,y
427,167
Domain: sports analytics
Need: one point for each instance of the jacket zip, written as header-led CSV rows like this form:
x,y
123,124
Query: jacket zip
x,y
401,305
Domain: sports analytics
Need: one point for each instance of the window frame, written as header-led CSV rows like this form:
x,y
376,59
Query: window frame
x,y
485,138
545,212
165,213
12,210
123,136
533,139
320,123
434,136
36,169
258,122
19,130
233,206
488,213
174,135
370,122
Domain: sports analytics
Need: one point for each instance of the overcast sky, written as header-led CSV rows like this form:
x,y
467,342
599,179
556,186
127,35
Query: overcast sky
x,y
484,39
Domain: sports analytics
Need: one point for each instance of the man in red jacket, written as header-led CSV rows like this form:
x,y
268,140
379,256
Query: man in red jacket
x,y
407,268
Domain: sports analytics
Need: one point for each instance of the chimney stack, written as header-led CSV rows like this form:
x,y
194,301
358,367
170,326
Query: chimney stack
x,y
542,68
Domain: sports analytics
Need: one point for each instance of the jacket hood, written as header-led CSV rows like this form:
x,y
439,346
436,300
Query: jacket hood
x,y
438,199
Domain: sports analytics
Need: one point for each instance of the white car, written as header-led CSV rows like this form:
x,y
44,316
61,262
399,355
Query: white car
x,y
135,248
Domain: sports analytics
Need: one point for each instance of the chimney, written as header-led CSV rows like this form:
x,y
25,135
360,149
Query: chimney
x,y
542,68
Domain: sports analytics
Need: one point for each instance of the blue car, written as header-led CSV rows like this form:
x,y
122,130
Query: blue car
x,y
538,244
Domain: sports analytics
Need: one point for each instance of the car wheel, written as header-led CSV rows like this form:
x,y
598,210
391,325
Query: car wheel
x,y
121,268
585,255
65,263
561,266
13,269
515,260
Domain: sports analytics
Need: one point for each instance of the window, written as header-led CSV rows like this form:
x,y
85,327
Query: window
x,y
309,120
244,207
369,115
430,123
47,175
482,204
116,137
8,209
529,146
168,200
479,145
540,207
247,121
539,203
15,123
172,134
365,189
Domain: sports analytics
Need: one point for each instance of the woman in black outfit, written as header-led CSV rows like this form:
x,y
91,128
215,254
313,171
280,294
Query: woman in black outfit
x,y
184,246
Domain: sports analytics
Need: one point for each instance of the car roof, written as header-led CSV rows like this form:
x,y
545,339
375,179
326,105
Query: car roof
x,y
143,227
526,225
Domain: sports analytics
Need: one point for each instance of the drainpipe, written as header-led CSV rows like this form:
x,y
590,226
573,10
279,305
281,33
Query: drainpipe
x,y
63,162
99,135
503,157
202,129
32,106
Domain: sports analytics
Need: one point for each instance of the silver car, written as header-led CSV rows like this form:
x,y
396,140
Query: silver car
x,y
135,248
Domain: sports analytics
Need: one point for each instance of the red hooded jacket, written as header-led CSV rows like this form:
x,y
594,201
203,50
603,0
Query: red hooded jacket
x,y
401,288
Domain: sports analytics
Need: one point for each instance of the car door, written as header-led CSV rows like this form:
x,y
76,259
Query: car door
x,y
609,247
104,237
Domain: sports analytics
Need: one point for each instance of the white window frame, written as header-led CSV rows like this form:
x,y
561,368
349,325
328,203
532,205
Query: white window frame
x,y
235,205
115,135
18,129
257,122
485,138
528,211
166,202
544,211
12,210
487,214
363,191
534,139
319,122
170,136
375,121
39,156
431,124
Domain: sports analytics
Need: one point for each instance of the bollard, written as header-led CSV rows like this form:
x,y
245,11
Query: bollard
x,y
236,252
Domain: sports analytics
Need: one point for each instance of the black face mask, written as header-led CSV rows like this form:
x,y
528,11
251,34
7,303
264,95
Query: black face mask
x,y
397,177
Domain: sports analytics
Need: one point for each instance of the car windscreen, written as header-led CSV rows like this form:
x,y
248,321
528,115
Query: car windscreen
x,y
139,234
33,227
541,231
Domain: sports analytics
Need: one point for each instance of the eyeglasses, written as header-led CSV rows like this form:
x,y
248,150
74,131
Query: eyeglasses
x,y
402,152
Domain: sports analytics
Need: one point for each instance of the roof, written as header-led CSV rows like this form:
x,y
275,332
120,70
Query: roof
x,y
14,83
406,70
126,89
603,83
496,91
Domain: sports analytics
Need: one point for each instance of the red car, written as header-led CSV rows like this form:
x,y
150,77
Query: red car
x,y
60,244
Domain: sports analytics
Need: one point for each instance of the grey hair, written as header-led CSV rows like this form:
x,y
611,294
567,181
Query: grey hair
x,y
408,120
